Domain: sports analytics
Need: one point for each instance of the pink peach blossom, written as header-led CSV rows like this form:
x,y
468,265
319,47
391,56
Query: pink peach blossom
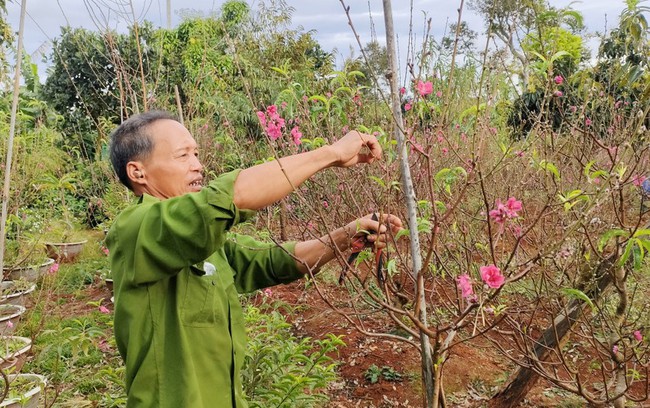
x,y
424,88
638,180
492,276
54,268
465,285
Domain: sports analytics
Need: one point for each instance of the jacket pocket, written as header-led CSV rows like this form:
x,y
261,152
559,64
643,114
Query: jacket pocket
x,y
198,307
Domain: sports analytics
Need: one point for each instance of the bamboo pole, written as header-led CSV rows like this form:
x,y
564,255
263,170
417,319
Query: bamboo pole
x,y
12,133
407,186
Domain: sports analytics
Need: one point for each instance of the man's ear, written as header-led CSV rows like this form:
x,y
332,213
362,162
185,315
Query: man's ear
x,y
135,172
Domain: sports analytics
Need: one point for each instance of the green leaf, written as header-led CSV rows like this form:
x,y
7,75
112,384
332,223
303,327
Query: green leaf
x,y
558,55
641,233
402,232
280,71
578,294
637,257
550,167
576,195
609,235
626,253
588,167
378,181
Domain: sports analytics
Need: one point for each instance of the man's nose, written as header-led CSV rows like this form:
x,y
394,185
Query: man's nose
x,y
196,164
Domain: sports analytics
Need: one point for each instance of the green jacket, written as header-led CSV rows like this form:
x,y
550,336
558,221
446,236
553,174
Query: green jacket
x,y
177,272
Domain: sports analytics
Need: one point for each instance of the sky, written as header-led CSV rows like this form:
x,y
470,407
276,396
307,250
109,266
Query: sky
x,y
326,17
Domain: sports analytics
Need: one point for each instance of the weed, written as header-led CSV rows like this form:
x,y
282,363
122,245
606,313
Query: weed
x,y
373,374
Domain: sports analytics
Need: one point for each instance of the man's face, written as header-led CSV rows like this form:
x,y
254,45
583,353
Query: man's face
x,y
173,168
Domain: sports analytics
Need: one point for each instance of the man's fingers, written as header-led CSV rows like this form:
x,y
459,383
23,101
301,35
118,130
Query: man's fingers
x,y
375,149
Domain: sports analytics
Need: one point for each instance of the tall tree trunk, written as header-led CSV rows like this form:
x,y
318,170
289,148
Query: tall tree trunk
x,y
12,134
407,186
524,379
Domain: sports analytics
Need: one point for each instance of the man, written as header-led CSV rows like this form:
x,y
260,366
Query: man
x,y
177,271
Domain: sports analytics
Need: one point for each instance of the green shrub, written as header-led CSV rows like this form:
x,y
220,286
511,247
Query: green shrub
x,y
281,370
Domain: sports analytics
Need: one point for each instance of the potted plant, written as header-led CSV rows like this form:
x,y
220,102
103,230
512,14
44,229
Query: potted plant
x,y
9,317
64,241
25,260
24,390
13,352
15,292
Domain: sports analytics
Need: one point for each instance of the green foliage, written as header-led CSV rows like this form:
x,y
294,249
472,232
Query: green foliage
x,y
373,374
281,370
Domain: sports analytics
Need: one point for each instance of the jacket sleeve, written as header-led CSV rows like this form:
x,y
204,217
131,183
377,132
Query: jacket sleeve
x,y
259,265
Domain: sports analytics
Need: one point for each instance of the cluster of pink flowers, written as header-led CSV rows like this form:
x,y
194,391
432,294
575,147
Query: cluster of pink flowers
x,y
502,212
490,274
272,122
637,335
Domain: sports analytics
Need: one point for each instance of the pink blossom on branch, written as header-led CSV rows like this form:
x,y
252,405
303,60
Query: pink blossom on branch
x,y
424,88
637,335
297,135
53,269
492,276
558,79
502,212
465,285
514,206
638,180
272,122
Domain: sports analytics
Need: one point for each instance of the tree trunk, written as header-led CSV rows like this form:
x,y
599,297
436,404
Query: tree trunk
x,y
524,379
12,133
407,187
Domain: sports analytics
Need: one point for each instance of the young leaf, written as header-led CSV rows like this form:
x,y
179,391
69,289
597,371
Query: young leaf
x,y
609,235
578,294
